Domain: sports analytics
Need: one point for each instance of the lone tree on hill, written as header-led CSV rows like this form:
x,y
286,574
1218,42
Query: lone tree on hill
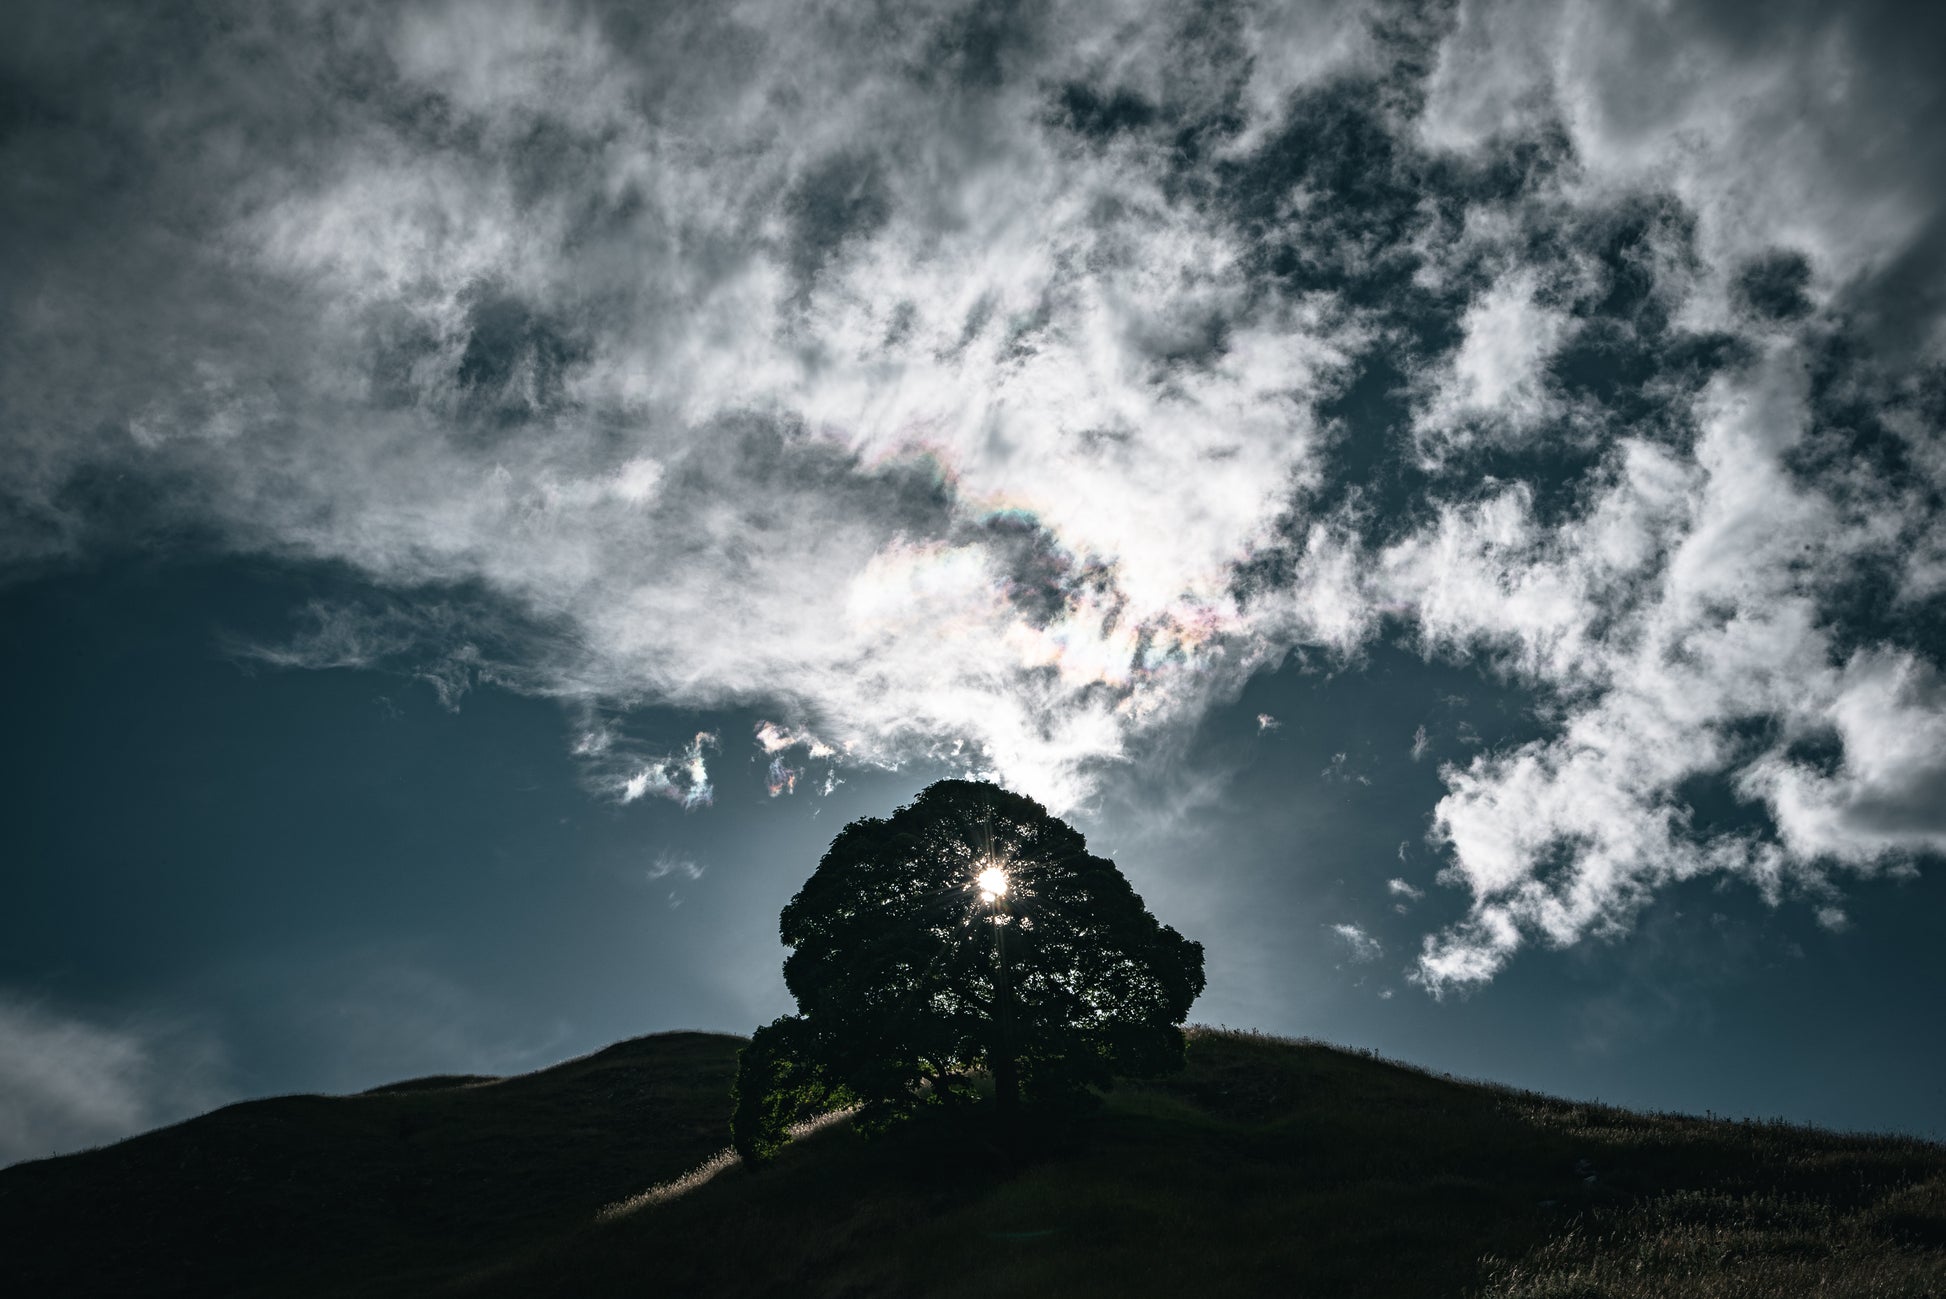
x,y
969,931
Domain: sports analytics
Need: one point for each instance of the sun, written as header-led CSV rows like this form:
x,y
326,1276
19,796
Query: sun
x,y
992,882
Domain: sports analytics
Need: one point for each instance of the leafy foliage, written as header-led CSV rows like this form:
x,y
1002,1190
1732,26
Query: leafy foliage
x,y
909,977
778,1083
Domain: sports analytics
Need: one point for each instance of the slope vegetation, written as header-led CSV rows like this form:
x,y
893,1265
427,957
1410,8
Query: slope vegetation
x,y
390,1192
1268,1167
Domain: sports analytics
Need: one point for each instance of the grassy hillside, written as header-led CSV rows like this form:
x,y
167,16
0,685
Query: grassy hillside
x,y
1269,1167
386,1193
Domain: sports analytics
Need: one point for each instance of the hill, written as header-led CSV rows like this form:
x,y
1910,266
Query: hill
x,y
390,1192
1269,1167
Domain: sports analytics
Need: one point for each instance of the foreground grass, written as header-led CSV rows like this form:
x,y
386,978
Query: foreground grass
x,y
1268,1167
1279,1168
1777,1211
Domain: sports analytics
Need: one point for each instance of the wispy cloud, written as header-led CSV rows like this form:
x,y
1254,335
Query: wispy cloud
x,y
985,402
772,738
683,778
1360,945
891,413
392,1011
667,864
1340,770
782,779
67,1083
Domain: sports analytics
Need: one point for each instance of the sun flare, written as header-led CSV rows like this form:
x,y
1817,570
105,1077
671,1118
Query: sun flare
x,y
992,882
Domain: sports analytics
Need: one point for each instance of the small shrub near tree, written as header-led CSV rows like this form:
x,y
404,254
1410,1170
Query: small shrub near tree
x,y
969,933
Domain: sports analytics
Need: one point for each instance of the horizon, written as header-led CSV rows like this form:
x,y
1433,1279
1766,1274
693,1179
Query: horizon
x,y
1450,498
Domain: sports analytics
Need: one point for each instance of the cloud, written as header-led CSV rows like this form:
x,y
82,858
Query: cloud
x,y
916,372
1570,835
1012,392
772,738
1758,129
388,1012
683,778
667,864
1362,946
67,1084
782,779
1340,771
450,645
1887,711
1495,385
1401,889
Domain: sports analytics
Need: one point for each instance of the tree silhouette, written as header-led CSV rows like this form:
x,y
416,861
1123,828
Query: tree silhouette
x,y
969,931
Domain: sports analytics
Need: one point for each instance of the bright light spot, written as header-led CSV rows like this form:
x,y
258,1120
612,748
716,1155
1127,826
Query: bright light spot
x,y
992,882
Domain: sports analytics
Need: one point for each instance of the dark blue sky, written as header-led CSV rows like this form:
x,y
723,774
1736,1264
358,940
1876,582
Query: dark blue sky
x,y
1451,498
285,880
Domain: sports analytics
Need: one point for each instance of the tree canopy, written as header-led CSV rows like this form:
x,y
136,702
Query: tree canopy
x,y
970,931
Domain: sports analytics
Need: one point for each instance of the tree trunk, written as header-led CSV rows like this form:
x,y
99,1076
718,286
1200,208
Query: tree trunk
x,y
1006,1076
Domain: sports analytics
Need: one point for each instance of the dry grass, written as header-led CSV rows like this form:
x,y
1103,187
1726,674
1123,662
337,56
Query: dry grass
x,y
1274,1166
1702,1245
707,1171
1268,1167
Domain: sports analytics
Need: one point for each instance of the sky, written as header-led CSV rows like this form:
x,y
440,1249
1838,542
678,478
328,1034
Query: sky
x,y
1450,497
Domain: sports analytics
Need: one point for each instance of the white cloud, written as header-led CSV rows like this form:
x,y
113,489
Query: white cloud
x,y
1052,338
772,738
1769,138
1888,797
1486,576
1494,387
67,1084
1567,836
1295,47
746,367
1341,771
1362,946
667,863
683,778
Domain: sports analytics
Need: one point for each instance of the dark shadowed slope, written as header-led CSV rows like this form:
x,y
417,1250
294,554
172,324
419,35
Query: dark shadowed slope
x,y
388,1192
1269,1167
1273,1167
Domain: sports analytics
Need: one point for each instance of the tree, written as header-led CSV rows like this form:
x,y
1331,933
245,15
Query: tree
x,y
969,931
